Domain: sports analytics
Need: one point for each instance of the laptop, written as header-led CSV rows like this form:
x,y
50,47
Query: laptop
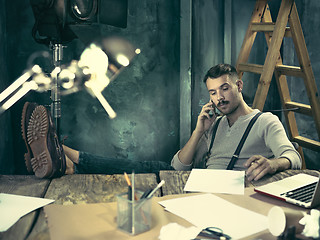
x,y
301,189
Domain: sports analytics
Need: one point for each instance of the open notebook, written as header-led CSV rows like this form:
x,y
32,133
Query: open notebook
x,y
301,189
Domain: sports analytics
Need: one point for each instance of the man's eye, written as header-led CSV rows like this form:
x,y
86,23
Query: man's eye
x,y
213,93
225,88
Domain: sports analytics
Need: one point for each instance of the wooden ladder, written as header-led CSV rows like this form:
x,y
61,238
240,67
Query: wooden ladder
x,y
261,21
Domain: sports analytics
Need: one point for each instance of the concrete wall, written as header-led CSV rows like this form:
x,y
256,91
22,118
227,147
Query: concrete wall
x,y
145,95
6,153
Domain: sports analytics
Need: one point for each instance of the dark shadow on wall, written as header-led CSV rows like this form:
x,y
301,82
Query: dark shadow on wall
x,y
145,95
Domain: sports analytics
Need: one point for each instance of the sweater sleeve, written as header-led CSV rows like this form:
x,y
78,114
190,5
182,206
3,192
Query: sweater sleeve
x,y
197,162
178,165
276,139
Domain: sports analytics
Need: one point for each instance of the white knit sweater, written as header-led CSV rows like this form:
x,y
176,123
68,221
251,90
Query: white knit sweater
x,y
267,138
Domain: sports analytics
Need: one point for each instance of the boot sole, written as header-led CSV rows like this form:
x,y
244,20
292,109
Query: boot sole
x,y
37,131
28,155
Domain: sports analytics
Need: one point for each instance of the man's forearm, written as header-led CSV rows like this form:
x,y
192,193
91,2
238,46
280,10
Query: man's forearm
x,y
283,164
187,152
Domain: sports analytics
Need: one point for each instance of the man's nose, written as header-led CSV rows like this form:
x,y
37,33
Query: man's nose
x,y
220,96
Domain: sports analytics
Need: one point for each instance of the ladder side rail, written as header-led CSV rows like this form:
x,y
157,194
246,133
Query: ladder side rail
x,y
305,63
283,88
272,54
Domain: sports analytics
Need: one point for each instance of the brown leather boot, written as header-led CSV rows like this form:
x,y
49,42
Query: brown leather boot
x,y
26,114
48,159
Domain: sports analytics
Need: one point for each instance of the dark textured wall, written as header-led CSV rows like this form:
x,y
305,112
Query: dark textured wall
x,y
207,48
6,153
145,95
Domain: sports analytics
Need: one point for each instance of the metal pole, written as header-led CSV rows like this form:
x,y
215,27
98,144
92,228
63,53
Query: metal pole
x,y
55,91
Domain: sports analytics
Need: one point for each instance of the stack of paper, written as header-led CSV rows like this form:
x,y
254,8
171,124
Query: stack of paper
x,y
215,181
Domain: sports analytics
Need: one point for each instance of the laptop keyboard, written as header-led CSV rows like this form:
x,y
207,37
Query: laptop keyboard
x,y
303,194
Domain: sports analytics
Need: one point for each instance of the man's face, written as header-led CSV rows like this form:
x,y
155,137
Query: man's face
x,y
225,93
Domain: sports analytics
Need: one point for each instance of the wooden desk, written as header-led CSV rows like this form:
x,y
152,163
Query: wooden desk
x,y
176,180
75,189
27,186
70,189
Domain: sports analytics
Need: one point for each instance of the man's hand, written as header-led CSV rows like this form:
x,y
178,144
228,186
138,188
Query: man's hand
x,y
203,124
258,166
204,119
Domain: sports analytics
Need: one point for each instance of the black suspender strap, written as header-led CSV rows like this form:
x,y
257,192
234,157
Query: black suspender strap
x,y
243,139
214,131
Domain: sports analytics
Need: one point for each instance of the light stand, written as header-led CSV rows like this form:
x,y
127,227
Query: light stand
x,y
99,64
39,82
57,53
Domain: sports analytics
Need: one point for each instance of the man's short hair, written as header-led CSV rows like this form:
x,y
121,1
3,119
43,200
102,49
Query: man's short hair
x,y
220,70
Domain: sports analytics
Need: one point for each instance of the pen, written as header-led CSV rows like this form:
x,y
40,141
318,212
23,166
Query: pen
x,y
148,196
130,186
127,178
132,198
146,193
155,189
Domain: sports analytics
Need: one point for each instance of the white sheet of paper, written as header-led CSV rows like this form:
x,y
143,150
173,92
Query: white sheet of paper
x,y
208,210
13,207
215,181
174,231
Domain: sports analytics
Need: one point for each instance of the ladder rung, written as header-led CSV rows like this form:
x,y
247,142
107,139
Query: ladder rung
x,y
248,67
282,69
299,108
267,27
307,143
290,71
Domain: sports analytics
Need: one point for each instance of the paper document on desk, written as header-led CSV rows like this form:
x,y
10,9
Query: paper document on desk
x,y
13,207
215,181
208,210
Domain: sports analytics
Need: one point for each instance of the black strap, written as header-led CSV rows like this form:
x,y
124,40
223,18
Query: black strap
x,y
243,139
214,131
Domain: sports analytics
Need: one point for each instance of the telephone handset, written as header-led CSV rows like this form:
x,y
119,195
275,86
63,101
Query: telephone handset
x,y
215,111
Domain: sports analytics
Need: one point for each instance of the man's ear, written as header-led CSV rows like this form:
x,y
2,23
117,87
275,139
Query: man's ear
x,y
239,85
